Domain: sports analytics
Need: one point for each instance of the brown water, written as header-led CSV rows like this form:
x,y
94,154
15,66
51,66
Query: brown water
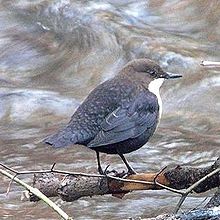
x,y
54,52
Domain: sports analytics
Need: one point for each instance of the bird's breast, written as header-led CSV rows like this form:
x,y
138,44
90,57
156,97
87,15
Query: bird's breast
x,y
154,87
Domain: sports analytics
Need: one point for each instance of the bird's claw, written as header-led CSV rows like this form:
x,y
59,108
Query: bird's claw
x,y
101,172
106,171
131,172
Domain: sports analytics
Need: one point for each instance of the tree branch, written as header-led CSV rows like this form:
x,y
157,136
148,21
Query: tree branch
x,y
73,187
38,194
210,63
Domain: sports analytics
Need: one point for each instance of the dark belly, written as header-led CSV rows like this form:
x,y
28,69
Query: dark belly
x,y
127,146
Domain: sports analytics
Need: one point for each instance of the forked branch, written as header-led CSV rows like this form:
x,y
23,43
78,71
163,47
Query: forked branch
x,y
70,186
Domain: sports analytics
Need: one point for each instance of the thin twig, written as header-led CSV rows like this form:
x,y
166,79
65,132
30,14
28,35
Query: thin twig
x,y
52,170
54,164
160,171
129,180
9,185
210,63
39,194
181,192
193,186
166,187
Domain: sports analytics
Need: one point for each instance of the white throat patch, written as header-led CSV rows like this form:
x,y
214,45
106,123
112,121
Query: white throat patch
x,y
154,87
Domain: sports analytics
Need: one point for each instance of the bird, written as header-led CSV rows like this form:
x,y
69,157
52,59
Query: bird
x,y
120,115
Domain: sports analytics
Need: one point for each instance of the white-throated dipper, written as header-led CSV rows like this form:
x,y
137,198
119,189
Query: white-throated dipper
x,y
120,115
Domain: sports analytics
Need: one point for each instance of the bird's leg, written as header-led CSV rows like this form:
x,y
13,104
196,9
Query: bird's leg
x,y
99,164
100,170
130,169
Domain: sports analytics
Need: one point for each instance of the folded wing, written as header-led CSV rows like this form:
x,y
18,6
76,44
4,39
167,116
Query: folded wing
x,y
128,121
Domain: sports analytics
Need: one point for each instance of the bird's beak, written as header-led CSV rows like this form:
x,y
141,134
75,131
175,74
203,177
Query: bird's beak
x,y
171,75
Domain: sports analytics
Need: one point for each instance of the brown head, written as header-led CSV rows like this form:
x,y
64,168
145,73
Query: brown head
x,y
145,71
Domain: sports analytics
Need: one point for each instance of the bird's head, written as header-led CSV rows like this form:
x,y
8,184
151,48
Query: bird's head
x,y
147,71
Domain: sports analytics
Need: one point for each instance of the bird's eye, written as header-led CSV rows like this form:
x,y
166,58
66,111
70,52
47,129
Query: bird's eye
x,y
151,72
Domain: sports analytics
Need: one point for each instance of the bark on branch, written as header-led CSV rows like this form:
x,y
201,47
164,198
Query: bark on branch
x,y
73,187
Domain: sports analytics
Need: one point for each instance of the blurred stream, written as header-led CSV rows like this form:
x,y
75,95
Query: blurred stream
x,y
53,53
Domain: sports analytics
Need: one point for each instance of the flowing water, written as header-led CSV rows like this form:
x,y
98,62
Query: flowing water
x,y
53,53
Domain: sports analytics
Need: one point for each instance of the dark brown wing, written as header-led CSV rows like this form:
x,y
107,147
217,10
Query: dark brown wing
x,y
128,121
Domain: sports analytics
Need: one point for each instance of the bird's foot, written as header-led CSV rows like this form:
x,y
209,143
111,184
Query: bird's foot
x,y
106,171
131,171
100,170
122,174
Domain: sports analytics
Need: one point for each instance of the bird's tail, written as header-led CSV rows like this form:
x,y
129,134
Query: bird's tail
x,y
62,138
